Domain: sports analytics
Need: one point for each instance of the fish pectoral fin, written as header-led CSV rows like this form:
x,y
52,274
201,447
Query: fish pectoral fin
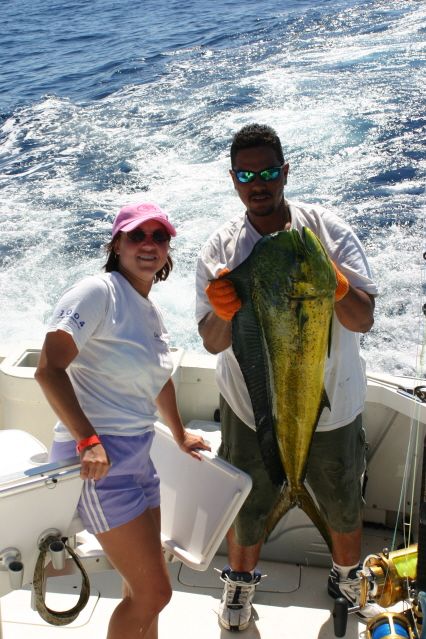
x,y
330,329
325,400
324,403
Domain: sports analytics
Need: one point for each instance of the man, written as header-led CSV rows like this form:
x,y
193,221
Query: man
x,y
259,174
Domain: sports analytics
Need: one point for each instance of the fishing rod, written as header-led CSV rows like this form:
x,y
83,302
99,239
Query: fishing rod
x,y
388,578
421,553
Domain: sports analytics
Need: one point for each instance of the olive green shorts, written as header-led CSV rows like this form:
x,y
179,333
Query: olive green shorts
x,y
335,472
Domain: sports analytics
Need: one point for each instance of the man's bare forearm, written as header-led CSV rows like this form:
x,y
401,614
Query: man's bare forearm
x,y
215,333
356,310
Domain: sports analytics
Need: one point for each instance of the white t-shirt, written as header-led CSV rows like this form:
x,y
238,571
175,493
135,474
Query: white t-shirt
x,y
344,380
123,356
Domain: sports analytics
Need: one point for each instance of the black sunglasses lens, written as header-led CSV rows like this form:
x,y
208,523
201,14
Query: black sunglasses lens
x,y
160,237
136,236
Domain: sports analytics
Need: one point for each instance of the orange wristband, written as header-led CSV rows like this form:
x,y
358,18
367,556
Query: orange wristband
x,y
89,441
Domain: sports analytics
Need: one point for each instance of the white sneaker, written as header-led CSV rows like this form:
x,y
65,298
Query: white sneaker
x,y
349,588
235,607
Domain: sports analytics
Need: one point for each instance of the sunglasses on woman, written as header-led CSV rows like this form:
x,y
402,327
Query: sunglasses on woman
x,y
138,235
267,175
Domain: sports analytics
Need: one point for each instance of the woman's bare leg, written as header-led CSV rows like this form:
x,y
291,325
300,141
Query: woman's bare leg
x,y
135,551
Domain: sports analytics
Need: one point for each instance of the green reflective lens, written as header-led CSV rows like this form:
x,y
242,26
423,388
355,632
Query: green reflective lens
x,y
267,175
270,174
245,176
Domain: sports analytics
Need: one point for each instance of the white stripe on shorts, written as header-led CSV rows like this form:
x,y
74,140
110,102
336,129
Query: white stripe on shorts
x,y
93,507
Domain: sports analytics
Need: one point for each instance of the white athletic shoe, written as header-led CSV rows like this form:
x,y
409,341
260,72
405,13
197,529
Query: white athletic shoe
x,y
349,588
235,607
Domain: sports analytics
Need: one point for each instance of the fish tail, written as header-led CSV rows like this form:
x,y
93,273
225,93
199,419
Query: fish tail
x,y
281,507
308,505
301,498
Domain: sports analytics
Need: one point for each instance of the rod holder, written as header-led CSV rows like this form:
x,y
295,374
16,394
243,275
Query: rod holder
x,y
10,560
50,541
57,554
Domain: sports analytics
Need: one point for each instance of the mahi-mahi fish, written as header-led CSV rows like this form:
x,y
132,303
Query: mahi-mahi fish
x,y
281,339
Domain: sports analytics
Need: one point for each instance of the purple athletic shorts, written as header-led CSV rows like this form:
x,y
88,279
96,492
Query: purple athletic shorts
x,y
131,486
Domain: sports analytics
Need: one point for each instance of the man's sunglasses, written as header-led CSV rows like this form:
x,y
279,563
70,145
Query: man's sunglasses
x,y
158,236
267,175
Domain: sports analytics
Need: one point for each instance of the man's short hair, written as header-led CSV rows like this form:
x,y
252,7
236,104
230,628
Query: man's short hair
x,y
252,135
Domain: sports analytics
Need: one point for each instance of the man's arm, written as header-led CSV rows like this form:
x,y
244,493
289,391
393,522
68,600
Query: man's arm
x,y
354,307
355,311
215,333
215,327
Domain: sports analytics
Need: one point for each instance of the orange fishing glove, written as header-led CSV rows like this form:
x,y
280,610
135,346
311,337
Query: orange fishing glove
x,y
223,297
342,287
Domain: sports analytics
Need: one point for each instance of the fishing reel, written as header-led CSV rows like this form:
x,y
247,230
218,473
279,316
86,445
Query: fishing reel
x,y
390,625
389,577
386,578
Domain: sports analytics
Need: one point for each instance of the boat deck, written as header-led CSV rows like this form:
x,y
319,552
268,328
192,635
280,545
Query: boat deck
x,y
292,601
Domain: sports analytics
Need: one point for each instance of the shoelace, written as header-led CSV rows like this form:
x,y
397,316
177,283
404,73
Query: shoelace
x,y
350,588
237,592
238,595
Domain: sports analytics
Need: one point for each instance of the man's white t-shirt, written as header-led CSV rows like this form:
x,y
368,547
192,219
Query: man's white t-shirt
x,y
123,358
344,378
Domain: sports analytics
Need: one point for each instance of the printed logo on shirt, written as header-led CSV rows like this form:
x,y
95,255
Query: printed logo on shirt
x,y
75,317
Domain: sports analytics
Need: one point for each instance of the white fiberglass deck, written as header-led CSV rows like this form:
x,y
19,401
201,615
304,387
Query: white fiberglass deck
x,y
290,603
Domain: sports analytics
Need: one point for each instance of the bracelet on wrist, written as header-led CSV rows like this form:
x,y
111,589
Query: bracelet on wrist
x,y
88,441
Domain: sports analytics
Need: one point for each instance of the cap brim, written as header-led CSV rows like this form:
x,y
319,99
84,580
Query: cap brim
x,y
135,223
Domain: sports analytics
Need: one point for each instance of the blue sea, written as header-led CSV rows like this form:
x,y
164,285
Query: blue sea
x,y
108,101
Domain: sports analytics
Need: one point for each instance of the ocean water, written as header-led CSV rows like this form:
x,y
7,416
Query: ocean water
x,y
109,101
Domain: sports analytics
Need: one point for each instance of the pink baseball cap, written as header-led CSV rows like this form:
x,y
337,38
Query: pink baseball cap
x,y
132,215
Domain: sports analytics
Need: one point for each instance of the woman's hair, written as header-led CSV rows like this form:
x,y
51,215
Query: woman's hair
x,y
112,263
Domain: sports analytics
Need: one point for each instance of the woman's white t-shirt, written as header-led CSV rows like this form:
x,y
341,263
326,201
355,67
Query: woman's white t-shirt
x,y
123,358
344,377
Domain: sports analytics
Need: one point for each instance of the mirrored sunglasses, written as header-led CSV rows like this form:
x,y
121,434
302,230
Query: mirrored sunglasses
x,y
158,236
267,175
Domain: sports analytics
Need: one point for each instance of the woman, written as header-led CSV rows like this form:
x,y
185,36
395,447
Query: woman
x,y
105,368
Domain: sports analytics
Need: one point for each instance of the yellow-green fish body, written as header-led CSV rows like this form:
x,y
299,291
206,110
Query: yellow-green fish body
x,y
281,338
